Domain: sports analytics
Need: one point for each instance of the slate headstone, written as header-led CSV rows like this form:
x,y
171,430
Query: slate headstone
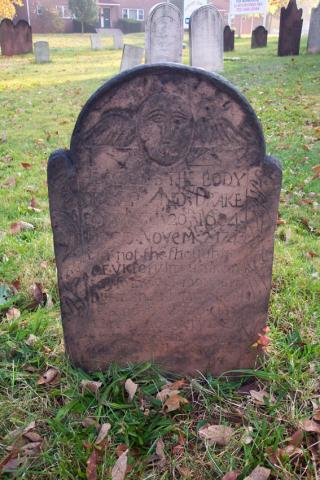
x,y
42,52
163,214
313,45
96,43
290,29
164,34
259,37
206,38
228,39
15,39
131,57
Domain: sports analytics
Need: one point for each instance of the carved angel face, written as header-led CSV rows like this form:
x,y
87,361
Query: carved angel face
x,y
166,128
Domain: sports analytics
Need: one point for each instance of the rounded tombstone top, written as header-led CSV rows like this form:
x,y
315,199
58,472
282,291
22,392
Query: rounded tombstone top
x,y
165,114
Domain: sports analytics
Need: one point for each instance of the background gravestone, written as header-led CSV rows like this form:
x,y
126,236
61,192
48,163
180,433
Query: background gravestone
x,y
259,37
164,34
228,39
15,39
163,214
313,45
290,29
131,57
206,39
42,52
95,40
117,39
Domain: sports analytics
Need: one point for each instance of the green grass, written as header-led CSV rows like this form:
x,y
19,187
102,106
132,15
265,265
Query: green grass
x,y
39,106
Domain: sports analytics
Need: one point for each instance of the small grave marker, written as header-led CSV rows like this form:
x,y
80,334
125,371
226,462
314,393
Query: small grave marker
x,y
163,214
228,39
42,52
206,39
290,29
259,37
96,43
164,34
131,57
314,31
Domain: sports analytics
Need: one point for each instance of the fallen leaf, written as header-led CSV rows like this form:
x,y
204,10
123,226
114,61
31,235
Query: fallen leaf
x,y
263,340
32,437
165,393
316,169
39,141
259,473
105,427
91,386
174,402
121,448
219,434
92,463
33,205
89,422
312,254
51,377
31,340
12,314
26,165
262,397
20,226
120,467
32,449
160,453
177,384
310,426
15,286
37,293
296,439
131,388
231,475
281,221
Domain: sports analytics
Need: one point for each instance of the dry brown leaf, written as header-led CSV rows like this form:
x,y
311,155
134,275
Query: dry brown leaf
x,y
92,463
316,169
90,386
120,467
105,427
26,165
259,473
20,226
131,388
160,453
177,384
12,314
31,449
219,434
262,397
173,402
231,475
50,377
296,439
312,254
31,340
89,421
32,436
165,393
310,426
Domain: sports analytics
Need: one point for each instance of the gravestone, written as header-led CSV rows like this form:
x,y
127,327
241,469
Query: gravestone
x,y
206,39
313,45
259,37
117,39
228,39
290,29
131,57
15,39
163,214
96,43
164,34
42,52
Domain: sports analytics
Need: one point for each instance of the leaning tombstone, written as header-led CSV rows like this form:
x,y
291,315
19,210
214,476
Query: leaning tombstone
x,y
259,37
95,41
117,39
228,39
163,214
164,34
42,52
290,29
131,57
313,45
206,38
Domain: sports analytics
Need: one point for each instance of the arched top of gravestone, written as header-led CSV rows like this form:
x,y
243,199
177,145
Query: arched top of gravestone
x,y
206,10
212,119
292,10
260,29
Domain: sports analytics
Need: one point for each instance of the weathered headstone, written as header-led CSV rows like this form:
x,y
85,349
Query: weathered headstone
x,y
164,34
96,43
42,52
206,38
290,29
117,39
313,45
15,39
228,39
131,57
163,214
259,37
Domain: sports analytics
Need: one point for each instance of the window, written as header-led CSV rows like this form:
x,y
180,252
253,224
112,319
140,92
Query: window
x,y
40,10
133,13
63,11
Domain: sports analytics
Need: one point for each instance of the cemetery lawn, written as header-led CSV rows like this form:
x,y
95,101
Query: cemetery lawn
x,y
277,429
